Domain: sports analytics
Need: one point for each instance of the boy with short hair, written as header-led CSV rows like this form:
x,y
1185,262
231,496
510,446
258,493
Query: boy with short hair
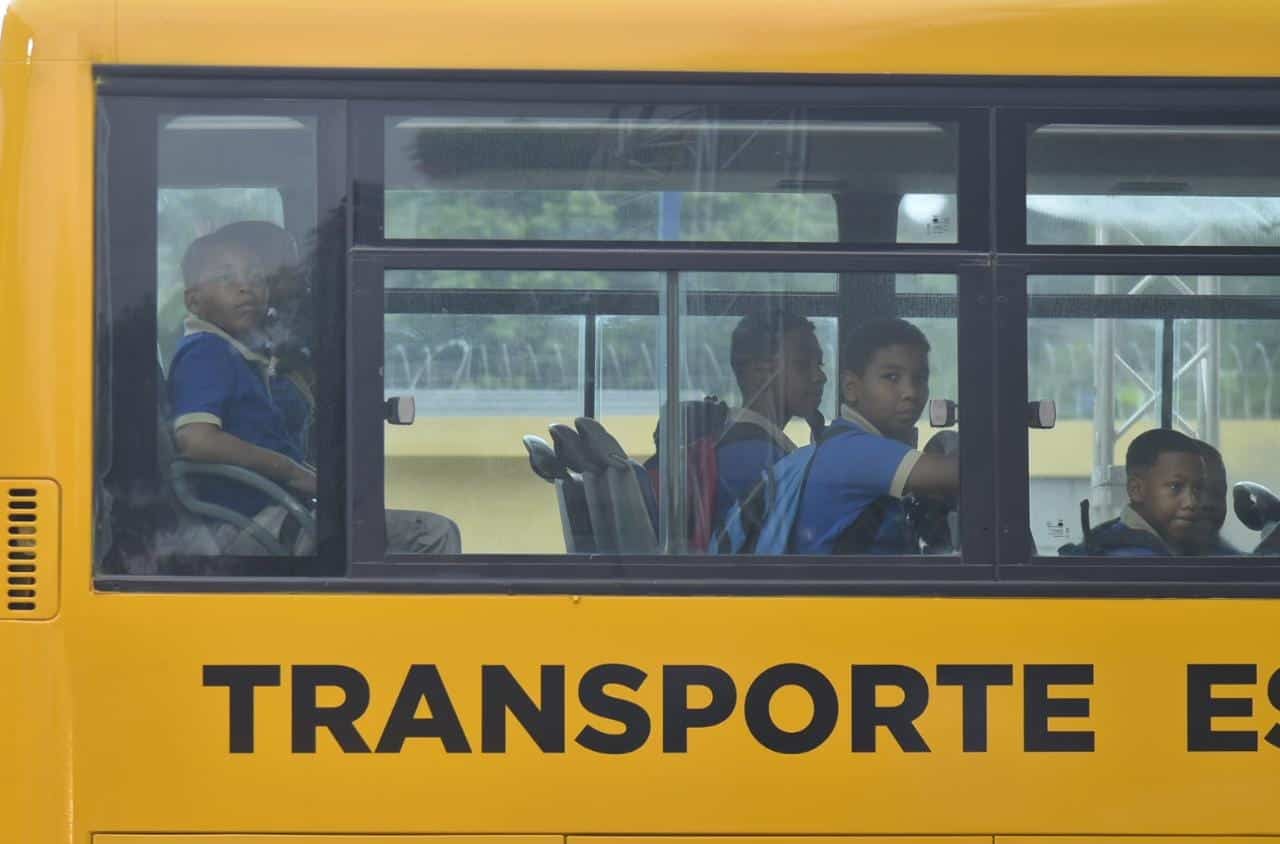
x,y
1165,472
777,362
220,384
226,394
867,460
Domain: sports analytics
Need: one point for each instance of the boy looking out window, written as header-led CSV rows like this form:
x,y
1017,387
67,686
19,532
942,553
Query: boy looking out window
x,y
1165,478
231,405
867,460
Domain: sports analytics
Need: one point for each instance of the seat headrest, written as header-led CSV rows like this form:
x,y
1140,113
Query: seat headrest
x,y
571,451
601,444
1255,505
944,442
543,460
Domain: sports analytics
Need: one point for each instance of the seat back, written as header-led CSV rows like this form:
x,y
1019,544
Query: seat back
x,y
571,498
633,530
575,456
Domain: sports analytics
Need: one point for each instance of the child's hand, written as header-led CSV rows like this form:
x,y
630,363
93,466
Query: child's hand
x,y
303,482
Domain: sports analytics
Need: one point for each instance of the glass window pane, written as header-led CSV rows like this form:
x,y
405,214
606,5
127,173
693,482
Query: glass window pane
x,y
493,389
1153,185
230,469
1097,346
653,173
846,432
479,384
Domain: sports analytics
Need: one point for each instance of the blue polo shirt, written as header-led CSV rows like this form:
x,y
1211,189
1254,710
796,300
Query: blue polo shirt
x,y
854,466
217,380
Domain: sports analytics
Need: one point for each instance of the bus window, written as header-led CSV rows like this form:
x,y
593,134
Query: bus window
x,y
536,413
1153,185
488,358
655,173
222,370
1126,355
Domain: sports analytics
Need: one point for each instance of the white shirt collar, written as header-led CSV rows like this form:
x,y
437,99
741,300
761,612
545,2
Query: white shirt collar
x,y
195,325
750,417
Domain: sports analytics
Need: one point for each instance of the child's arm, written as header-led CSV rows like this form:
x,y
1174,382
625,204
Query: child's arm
x,y
206,442
934,474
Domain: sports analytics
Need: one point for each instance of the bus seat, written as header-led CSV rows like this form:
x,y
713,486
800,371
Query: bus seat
x,y
575,456
1258,508
571,499
632,526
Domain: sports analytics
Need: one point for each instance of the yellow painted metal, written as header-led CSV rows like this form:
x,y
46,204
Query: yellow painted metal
x,y
327,839
29,559
1128,839
108,727
59,30
137,674
779,839
1069,37
1041,37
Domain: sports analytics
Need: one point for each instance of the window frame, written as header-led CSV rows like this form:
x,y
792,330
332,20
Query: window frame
x,y
990,260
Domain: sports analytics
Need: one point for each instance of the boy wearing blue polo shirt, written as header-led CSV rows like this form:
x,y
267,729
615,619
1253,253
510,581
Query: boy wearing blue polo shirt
x,y
777,362
230,405
867,460
221,381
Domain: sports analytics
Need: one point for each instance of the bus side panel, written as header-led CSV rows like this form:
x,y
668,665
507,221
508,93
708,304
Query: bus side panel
x,y
1123,37
58,30
1085,730
36,741
46,385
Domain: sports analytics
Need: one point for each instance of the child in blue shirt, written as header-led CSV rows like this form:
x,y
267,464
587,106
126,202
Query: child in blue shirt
x,y
1165,478
230,403
222,382
777,362
867,460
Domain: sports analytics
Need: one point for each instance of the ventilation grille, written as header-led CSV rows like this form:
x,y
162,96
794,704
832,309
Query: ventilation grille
x,y
30,513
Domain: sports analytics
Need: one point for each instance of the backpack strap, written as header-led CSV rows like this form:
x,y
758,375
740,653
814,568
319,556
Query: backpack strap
x,y
742,432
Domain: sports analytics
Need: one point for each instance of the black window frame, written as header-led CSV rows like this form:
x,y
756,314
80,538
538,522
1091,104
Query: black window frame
x,y
991,262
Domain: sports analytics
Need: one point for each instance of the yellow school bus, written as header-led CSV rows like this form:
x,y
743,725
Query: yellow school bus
x,y
515,236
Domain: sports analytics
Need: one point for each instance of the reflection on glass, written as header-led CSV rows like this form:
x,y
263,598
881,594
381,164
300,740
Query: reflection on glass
x,y
1107,376
668,173
1153,185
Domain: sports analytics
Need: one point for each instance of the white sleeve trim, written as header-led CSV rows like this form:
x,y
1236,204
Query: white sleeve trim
x,y
899,485
191,418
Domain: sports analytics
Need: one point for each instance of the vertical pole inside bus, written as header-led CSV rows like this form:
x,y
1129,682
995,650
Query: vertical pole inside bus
x,y
670,448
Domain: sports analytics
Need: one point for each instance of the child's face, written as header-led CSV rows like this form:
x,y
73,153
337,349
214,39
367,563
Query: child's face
x,y
892,391
1169,496
230,292
801,373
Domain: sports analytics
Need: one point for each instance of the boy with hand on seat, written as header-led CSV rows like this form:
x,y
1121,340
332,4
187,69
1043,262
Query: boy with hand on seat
x,y
230,404
867,461
221,381
1165,478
